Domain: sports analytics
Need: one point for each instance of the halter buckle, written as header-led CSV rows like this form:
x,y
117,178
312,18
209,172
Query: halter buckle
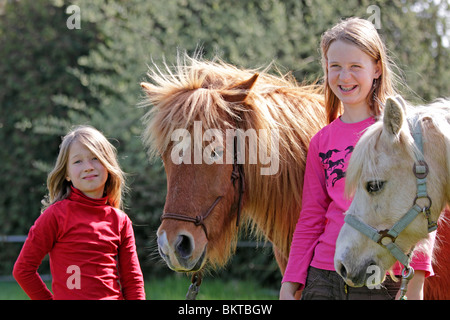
x,y
420,169
432,225
385,237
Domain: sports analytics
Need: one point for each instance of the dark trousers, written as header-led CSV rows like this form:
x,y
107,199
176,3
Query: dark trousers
x,y
328,285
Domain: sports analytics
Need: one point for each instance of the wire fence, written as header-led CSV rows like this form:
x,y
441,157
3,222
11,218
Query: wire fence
x,y
12,239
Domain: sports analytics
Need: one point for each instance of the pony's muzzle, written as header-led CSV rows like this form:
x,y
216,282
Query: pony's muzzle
x,y
179,254
348,277
353,277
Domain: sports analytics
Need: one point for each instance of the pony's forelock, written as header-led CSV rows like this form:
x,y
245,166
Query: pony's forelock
x,y
363,158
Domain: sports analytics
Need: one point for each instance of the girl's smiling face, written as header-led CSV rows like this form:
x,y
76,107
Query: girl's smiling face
x,y
351,73
85,171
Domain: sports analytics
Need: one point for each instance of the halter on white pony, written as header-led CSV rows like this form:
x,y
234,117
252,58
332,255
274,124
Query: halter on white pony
x,y
386,238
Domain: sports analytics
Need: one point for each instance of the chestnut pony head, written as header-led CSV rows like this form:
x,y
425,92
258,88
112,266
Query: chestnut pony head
x,y
233,143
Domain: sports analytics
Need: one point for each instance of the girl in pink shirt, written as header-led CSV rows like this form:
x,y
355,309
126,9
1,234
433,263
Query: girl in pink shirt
x,y
358,79
89,239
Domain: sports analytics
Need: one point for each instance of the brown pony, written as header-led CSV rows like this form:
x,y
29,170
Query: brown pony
x,y
214,186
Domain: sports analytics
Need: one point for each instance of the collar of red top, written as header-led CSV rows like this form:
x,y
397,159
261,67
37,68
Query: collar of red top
x,y
77,195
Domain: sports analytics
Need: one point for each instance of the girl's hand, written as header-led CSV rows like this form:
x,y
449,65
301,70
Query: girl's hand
x,y
288,290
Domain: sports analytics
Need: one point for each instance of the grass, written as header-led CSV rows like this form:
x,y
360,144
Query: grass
x,y
10,290
174,288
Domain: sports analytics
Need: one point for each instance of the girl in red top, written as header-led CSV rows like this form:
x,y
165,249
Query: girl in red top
x,y
90,241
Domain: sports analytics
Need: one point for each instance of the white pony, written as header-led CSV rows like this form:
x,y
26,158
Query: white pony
x,y
385,218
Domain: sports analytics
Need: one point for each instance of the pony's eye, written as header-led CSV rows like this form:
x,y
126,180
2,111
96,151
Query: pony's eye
x,y
217,153
374,186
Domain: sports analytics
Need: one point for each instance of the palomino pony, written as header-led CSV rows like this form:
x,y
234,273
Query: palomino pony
x,y
399,174
214,126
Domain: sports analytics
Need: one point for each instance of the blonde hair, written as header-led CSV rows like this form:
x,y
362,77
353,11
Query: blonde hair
x,y
96,142
363,34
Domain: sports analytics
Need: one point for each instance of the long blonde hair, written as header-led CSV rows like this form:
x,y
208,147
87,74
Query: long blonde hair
x,y
96,142
363,34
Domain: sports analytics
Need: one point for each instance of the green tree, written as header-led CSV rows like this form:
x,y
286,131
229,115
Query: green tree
x,y
35,50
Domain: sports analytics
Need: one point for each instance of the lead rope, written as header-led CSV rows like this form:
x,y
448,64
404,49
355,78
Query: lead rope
x,y
196,281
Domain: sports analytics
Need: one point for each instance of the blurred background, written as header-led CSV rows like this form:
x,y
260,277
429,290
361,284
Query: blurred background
x,y
60,68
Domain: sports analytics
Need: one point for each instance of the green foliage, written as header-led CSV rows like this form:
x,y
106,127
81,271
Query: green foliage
x,y
35,53
54,78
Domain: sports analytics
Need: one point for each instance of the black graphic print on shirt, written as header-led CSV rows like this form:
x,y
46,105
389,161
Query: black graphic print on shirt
x,y
333,162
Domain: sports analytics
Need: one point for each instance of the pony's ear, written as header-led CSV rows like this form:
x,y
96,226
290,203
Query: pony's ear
x,y
394,115
148,88
401,101
240,91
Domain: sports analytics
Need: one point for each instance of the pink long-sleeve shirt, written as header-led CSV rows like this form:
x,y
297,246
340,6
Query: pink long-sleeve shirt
x,y
324,202
92,252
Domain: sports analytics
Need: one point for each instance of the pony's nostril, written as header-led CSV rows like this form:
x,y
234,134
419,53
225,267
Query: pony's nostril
x,y
343,271
184,246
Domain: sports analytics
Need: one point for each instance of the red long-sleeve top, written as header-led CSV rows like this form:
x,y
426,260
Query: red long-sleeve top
x,y
92,252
